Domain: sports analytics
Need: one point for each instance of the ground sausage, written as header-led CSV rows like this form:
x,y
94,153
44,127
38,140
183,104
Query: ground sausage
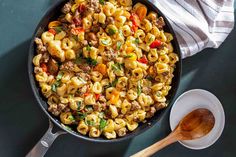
x,y
66,8
40,47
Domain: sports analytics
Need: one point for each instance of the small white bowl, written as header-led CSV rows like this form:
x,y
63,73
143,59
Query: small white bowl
x,y
194,99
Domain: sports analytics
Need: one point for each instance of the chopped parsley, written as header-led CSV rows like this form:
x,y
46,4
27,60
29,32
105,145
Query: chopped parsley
x,y
59,76
89,123
128,56
55,85
88,48
79,105
91,61
81,115
71,118
150,78
102,2
58,29
113,84
118,45
136,40
117,66
103,124
111,31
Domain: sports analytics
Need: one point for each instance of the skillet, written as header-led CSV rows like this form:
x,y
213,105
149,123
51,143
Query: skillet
x,y
42,146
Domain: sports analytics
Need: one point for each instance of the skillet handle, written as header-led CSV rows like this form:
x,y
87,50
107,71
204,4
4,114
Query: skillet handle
x,y
40,149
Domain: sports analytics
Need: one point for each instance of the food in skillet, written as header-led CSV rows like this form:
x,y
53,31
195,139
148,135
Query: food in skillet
x,y
105,66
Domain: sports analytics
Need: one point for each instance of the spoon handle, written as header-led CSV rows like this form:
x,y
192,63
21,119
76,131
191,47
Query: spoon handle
x,y
171,138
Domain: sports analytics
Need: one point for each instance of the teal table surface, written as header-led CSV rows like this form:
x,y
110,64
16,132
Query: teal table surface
x,y
22,123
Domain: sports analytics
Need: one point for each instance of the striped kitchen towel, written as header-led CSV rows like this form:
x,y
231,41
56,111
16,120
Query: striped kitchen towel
x,y
198,23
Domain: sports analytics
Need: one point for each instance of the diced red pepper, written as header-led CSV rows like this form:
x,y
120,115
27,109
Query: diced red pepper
x,y
81,8
77,21
44,67
77,30
155,44
52,31
97,96
86,94
143,60
134,28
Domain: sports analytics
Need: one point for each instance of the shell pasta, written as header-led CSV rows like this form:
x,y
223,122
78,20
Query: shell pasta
x,y
105,66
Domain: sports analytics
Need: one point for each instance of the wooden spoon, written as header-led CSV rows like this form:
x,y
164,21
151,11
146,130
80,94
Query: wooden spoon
x,y
195,125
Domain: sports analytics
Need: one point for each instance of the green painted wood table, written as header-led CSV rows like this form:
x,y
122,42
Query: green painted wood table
x,y
22,123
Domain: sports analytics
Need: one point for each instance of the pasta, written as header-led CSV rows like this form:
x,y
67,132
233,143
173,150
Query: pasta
x,y
105,66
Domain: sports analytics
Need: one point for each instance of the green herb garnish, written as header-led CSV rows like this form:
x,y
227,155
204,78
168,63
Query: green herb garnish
x,y
118,45
71,118
105,42
103,124
128,56
55,85
149,78
79,105
58,29
81,115
111,31
88,48
59,76
139,89
113,84
75,37
91,61
102,2
137,41
89,123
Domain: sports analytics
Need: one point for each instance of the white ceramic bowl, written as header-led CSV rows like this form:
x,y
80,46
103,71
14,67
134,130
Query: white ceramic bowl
x,y
194,99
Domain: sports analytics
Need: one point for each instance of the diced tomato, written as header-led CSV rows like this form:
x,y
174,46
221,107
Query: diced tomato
x,y
52,31
155,44
77,30
97,96
143,60
81,8
44,67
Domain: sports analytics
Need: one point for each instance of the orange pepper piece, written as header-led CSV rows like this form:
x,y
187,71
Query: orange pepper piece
x,y
141,12
102,68
115,97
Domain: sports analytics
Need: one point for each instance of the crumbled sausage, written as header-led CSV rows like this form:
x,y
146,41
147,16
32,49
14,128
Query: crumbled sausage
x,y
109,55
66,8
121,132
37,70
84,67
102,98
151,112
110,20
160,23
53,109
95,28
135,106
52,66
93,6
84,76
146,90
69,65
40,47
159,106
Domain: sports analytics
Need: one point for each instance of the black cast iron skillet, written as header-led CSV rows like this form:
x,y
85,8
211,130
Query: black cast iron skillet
x,y
42,146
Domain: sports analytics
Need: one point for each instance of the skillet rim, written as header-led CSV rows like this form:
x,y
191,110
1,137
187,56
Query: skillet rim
x,y
156,118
